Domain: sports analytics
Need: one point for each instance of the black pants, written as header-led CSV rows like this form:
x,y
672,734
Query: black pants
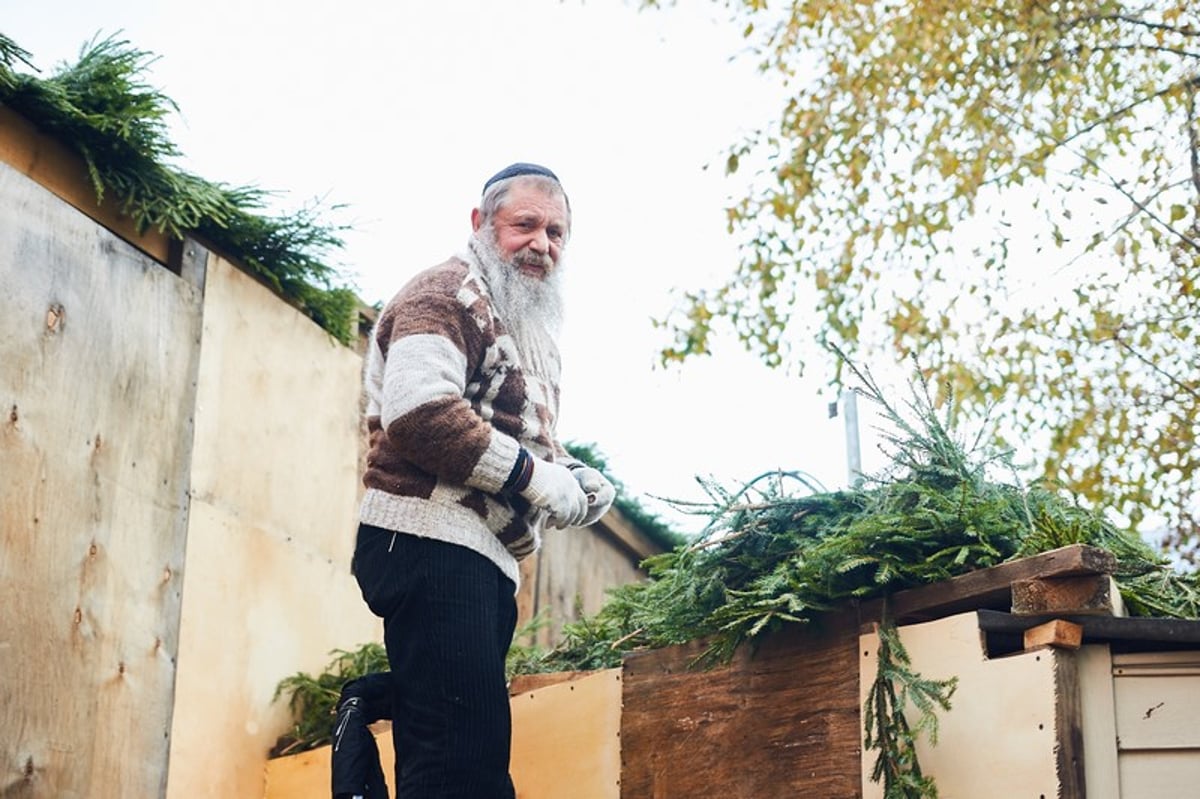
x,y
448,619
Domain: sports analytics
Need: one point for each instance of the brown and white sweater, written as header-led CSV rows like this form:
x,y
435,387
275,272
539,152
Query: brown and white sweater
x,y
449,408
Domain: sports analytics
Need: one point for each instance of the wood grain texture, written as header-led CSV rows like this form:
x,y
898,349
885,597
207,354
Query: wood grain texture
x,y
989,588
1059,633
1085,593
98,363
781,721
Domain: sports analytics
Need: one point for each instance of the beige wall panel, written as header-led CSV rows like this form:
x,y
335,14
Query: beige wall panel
x,y
1099,724
258,608
268,590
998,739
1158,700
277,421
566,739
1158,712
97,367
1171,774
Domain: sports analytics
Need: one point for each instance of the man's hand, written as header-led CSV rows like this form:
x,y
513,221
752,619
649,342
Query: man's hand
x,y
554,488
600,492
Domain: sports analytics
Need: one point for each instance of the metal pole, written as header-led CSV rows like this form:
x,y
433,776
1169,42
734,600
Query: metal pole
x,y
853,454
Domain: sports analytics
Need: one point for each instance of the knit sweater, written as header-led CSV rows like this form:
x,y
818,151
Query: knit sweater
x,y
449,407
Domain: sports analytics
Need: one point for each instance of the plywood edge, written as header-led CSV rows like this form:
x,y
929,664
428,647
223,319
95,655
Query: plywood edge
x,y
524,683
62,172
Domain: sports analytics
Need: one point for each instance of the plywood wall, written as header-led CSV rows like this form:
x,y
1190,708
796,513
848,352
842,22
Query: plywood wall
x,y
97,379
1003,734
268,591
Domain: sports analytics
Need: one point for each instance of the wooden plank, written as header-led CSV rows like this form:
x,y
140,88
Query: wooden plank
x,y
1077,594
308,775
780,721
1068,726
567,739
98,363
990,587
1059,633
566,743
525,683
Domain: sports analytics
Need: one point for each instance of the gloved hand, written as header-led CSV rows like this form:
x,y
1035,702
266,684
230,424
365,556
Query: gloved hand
x,y
553,488
600,492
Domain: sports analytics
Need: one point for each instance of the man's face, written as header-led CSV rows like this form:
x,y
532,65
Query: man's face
x,y
530,228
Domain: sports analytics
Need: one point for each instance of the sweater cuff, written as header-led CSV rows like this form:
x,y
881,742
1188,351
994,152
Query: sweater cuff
x,y
522,471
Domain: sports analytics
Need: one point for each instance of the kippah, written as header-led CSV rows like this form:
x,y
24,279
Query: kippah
x,y
520,168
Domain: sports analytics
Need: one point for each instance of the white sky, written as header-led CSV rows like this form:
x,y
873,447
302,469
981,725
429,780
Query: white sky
x,y
400,110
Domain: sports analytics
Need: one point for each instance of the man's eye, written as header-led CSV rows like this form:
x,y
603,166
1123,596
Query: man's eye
x,y
554,233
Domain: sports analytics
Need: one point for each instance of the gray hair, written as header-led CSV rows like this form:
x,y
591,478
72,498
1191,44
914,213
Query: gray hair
x,y
494,196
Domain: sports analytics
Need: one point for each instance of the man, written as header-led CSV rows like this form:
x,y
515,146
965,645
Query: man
x,y
463,473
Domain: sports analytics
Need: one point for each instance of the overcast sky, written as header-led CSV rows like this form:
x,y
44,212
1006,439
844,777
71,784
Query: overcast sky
x,y
400,111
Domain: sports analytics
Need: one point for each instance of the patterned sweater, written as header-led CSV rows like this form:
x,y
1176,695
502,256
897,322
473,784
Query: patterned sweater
x,y
449,407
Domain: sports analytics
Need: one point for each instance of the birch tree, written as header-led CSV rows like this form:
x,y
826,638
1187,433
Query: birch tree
x,y
1009,191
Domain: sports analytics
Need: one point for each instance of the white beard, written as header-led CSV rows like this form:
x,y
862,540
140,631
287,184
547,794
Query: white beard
x,y
530,307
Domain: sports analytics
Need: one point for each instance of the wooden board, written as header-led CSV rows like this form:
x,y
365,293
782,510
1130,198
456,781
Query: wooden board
x,y
1077,594
1011,730
991,587
268,591
781,721
567,739
1058,633
98,362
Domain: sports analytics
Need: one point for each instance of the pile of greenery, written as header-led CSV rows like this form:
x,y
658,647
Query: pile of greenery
x,y
102,109
770,557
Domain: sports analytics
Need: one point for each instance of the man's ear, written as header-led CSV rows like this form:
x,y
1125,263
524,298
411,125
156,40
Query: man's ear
x,y
476,219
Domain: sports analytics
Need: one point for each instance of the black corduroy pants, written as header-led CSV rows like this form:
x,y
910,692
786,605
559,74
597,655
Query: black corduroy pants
x,y
448,619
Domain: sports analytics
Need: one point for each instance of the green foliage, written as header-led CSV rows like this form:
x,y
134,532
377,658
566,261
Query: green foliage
x,y
102,109
1011,190
772,555
313,698
885,718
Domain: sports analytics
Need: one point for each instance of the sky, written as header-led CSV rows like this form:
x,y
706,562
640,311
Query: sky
x,y
398,111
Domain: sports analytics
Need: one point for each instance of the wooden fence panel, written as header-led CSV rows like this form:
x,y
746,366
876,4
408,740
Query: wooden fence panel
x,y
98,355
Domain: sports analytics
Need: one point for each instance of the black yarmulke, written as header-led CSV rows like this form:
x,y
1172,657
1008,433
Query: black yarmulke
x,y
520,168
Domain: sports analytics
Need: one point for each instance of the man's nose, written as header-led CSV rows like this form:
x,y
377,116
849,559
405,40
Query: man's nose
x,y
539,242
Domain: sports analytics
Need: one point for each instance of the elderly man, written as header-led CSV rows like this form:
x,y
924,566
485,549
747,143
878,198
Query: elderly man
x,y
463,473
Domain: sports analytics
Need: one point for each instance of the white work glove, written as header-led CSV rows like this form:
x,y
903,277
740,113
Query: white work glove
x,y
600,492
553,488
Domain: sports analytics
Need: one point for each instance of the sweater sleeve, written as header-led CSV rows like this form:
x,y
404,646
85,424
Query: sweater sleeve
x,y
430,346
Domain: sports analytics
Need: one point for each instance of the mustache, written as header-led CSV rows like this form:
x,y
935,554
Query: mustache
x,y
527,257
